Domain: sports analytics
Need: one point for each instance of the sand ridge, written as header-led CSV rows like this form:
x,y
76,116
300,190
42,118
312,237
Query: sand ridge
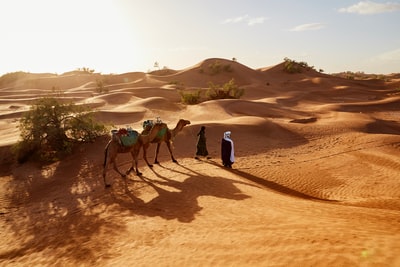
x,y
315,182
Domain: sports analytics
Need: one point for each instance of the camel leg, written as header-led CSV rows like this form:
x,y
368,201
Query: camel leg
x,y
115,166
105,165
132,166
134,163
170,152
104,174
145,147
136,159
156,156
111,160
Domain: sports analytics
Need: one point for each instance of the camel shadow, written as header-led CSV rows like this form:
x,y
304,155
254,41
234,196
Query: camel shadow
x,y
177,199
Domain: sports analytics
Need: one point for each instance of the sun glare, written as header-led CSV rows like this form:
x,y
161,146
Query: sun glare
x,y
59,36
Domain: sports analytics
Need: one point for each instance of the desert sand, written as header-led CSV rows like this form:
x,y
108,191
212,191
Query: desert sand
x,y
316,180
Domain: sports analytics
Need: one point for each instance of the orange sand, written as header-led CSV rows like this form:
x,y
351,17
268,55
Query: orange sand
x,y
316,182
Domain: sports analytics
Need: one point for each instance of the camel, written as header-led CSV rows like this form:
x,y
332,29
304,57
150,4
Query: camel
x,y
114,147
164,135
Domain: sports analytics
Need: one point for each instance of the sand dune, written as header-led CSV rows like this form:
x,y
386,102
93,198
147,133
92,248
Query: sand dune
x,y
315,183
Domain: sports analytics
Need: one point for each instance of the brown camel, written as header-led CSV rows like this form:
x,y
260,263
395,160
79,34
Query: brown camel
x,y
164,135
114,147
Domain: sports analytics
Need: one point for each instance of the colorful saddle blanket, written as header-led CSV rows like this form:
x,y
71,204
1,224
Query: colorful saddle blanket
x,y
126,137
147,124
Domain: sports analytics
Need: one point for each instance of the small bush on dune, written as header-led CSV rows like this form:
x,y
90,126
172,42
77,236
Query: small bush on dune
x,y
292,66
216,67
228,90
178,84
50,129
190,98
100,86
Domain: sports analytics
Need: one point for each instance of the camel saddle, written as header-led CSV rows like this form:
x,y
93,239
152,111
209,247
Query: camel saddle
x,y
147,124
125,137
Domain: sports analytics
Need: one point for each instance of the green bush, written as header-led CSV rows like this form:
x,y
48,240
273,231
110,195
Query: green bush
x,y
178,84
100,86
292,66
216,67
50,129
228,90
190,98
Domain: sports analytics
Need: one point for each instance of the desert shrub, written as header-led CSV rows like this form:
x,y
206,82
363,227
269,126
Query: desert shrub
x,y
216,67
178,84
100,86
292,66
227,68
228,90
86,70
190,98
50,129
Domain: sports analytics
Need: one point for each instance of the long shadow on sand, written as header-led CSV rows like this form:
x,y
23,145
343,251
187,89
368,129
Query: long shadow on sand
x,y
383,127
177,199
55,210
270,185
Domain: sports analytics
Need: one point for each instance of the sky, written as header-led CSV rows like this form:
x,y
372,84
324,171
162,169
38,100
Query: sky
x,y
118,36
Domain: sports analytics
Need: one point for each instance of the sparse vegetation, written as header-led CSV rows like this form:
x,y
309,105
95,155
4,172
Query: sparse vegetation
x,y
292,66
190,98
360,75
50,129
178,84
228,90
86,70
216,67
100,86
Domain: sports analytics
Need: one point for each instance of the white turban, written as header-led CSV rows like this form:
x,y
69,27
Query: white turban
x,y
227,137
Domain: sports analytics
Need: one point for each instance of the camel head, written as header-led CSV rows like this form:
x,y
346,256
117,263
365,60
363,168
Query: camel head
x,y
183,123
179,126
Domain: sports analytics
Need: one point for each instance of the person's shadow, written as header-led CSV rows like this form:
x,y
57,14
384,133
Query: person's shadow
x,y
270,184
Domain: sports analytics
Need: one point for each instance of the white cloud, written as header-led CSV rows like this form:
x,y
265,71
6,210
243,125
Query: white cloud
x,y
253,21
308,27
393,55
235,20
386,62
369,7
245,19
